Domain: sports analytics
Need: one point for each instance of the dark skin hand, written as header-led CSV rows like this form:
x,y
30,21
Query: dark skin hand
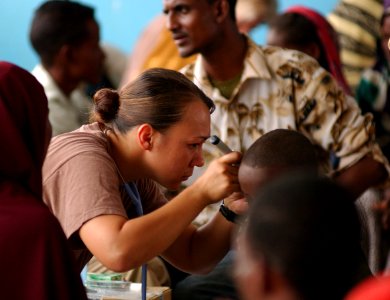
x,y
364,174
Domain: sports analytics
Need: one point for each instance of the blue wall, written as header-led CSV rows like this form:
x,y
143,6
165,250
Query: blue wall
x,y
121,22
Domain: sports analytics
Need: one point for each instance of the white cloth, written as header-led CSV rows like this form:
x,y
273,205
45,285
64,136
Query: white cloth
x,y
65,113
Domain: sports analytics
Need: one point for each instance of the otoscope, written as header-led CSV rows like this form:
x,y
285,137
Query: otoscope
x,y
220,145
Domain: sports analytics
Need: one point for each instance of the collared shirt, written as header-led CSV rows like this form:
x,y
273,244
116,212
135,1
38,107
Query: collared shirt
x,y
65,113
282,88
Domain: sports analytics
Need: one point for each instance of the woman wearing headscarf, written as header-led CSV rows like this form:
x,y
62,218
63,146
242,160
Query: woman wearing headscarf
x,y
34,252
306,30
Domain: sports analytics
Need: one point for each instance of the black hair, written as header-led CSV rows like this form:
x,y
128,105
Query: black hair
x,y
282,148
307,228
232,8
57,23
299,31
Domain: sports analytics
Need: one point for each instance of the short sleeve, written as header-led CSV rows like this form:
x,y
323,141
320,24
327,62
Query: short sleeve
x,y
84,187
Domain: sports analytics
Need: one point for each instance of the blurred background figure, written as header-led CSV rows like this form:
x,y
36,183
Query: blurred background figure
x,y
34,248
373,96
252,13
66,37
156,48
372,93
299,241
306,30
357,25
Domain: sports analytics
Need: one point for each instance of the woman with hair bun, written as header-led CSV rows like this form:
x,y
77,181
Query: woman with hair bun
x,y
149,132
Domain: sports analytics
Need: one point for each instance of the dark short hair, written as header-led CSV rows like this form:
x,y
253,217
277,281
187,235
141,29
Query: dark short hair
x,y
232,8
57,23
307,228
282,148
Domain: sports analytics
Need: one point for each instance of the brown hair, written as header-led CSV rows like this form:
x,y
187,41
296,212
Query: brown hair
x,y
157,97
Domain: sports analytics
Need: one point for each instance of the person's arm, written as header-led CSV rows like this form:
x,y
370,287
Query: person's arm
x,y
356,179
198,250
334,121
122,244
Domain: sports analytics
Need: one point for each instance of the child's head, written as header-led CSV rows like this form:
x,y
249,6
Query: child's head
x,y
301,238
274,153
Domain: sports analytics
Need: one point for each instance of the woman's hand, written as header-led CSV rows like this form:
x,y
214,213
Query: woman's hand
x,y
220,179
237,203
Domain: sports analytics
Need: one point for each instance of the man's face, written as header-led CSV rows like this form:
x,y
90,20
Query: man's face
x,y
88,58
192,23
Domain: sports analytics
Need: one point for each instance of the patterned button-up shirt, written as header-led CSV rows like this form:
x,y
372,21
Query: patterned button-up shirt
x,y
282,88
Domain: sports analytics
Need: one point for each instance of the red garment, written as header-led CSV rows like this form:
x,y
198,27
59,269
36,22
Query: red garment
x,y
327,36
34,255
375,288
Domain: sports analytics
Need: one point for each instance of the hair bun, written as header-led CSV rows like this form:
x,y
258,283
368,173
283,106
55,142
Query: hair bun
x,y
106,104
